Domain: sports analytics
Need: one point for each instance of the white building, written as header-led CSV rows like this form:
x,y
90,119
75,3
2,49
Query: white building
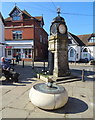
x,y
2,46
81,48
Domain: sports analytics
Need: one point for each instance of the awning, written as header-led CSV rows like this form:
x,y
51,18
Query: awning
x,y
20,42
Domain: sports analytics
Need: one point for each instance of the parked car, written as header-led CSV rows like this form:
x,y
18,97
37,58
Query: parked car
x,y
84,60
8,59
92,62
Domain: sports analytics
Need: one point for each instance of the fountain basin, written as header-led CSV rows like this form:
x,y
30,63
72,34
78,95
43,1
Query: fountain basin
x,y
48,97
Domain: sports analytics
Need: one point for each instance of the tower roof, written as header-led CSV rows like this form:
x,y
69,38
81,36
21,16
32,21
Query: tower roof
x,y
58,19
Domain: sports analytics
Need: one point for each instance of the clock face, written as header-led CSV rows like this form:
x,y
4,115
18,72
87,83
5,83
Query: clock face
x,y
53,28
62,28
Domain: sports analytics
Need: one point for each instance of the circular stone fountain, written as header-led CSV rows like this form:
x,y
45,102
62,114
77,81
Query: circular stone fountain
x,y
48,96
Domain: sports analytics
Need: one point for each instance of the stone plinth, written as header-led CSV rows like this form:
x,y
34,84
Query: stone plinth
x,y
58,55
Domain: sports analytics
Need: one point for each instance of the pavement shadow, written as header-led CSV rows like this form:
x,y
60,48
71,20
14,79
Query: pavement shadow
x,y
64,81
86,74
73,106
10,83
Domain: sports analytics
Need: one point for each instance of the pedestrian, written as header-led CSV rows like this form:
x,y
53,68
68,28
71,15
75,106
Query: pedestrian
x,y
8,71
5,64
17,58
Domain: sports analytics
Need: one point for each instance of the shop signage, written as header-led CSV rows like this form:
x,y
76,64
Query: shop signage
x,y
8,46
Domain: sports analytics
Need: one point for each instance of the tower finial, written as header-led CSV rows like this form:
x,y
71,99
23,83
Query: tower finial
x,y
15,4
58,10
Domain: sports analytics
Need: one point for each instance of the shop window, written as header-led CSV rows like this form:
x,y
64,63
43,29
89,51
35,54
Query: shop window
x,y
27,53
17,35
9,52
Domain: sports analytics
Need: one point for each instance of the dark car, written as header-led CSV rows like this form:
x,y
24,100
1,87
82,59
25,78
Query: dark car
x,y
8,59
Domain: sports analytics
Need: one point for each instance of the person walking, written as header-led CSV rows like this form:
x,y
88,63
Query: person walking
x,y
17,58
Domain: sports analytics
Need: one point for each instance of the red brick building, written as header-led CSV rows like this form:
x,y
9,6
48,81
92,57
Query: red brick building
x,y
25,35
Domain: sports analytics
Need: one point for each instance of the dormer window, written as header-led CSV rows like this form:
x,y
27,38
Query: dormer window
x,y
16,15
92,40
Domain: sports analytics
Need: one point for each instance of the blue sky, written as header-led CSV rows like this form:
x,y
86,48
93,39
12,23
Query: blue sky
x,y
78,15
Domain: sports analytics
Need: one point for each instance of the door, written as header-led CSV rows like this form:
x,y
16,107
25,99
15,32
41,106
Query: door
x,y
9,53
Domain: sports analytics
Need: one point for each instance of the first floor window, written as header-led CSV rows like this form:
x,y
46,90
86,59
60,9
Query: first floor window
x,y
41,39
17,35
92,40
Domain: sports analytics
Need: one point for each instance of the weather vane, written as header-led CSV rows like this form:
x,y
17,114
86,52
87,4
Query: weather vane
x,y
58,10
15,4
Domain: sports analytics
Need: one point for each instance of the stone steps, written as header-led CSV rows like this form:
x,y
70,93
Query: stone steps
x,y
66,78
67,81
59,80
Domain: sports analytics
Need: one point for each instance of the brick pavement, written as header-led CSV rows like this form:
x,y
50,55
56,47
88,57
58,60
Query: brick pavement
x,y
15,101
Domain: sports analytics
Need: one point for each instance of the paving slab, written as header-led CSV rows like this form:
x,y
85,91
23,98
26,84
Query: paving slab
x,y
15,102
14,113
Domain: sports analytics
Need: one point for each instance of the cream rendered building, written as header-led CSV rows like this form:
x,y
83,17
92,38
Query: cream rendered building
x,y
2,46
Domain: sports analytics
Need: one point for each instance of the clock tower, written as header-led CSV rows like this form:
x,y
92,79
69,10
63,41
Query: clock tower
x,y
58,47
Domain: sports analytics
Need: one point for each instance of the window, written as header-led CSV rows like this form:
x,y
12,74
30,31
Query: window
x,y
41,39
92,40
16,15
17,35
36,52
44,41
27,53
85,50
84,55
9,52
71,53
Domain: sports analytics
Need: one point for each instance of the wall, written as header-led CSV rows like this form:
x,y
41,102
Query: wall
x,y
90,53
2,48
30,31
41,47
77,50
92,49
27,33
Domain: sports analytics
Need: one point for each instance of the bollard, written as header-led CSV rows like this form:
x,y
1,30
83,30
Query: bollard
x,y
83,80
23,64
13,62
32,64
44,65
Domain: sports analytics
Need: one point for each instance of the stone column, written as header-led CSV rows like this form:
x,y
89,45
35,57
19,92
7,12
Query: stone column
x,y
50,63
61,67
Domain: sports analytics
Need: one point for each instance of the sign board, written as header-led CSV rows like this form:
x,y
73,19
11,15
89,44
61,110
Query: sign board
x,y
8,47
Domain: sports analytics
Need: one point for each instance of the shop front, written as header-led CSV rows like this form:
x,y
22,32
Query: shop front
x,y
24,50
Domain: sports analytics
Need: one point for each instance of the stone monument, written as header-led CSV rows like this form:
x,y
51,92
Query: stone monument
x,y
58,48
48,95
